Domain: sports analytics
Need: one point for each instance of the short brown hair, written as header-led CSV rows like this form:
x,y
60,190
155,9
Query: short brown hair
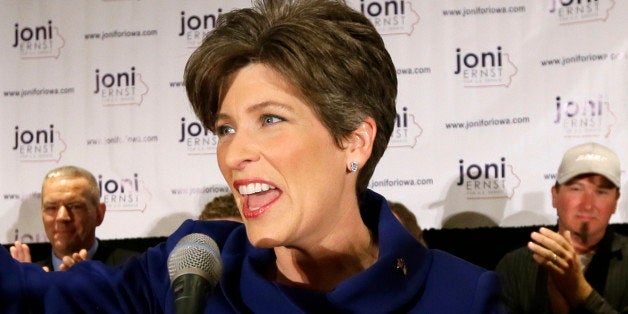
x,y
220,207
330,52
408,220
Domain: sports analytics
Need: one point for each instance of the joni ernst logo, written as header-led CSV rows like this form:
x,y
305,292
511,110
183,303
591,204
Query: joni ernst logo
x,y
581,11
584,117
484,68
390,17
197,139
38,145
490,180
38,41
122,88
407,131
194,27
124,194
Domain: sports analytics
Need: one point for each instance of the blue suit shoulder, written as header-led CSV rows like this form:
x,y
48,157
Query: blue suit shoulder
x,y
462,285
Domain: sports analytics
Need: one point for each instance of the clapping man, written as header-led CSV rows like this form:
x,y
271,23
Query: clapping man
x,y
71,211
582,267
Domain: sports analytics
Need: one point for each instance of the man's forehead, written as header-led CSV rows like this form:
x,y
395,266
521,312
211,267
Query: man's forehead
x,y
64,197
594,178
71,189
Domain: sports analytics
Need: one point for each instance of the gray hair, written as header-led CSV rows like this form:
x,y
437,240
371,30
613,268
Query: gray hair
x,y
76,172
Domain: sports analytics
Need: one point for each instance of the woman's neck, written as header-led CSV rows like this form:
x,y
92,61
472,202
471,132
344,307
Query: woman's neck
x,y
324,265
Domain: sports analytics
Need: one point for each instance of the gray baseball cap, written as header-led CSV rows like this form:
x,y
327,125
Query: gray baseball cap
x,y
589,158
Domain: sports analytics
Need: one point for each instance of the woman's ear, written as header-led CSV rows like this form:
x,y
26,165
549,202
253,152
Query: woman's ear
x,y
359,144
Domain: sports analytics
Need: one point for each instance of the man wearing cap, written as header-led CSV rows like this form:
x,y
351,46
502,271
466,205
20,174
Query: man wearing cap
x,y
583,266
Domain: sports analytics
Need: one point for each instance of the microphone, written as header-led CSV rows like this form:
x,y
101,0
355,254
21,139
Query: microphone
x,y
195,267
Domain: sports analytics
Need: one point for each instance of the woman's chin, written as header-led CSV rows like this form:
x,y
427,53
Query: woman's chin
x,y
263,241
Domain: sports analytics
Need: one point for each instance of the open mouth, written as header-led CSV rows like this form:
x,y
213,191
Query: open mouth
x,y
257,197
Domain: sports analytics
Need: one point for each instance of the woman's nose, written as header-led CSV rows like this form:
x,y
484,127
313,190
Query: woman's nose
x,y
239,150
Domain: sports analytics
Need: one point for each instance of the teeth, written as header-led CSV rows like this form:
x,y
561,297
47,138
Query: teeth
x,y
254,188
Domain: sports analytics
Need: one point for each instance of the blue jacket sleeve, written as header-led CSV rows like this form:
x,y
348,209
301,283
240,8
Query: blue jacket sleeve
x,y
141,285
456,286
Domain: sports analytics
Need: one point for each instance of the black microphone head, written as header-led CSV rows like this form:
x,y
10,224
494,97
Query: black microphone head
x,y
198,254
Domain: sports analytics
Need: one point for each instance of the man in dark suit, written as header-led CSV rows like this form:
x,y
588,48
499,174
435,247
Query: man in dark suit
x,y
71,211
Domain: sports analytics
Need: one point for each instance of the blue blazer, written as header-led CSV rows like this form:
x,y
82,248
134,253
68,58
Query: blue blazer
x,y
407,278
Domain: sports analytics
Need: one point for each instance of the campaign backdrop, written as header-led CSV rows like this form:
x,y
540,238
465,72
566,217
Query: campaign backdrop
x,y
491,93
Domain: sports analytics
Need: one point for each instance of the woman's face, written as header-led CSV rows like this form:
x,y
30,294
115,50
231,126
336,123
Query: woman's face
x,y
288,176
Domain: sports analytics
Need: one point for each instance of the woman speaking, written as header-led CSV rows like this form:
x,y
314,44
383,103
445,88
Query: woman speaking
x,y
301,95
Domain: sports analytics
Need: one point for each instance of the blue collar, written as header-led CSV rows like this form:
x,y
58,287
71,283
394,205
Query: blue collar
x,y
400,270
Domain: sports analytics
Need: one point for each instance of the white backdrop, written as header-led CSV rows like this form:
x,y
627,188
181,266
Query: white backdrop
x,y
491,93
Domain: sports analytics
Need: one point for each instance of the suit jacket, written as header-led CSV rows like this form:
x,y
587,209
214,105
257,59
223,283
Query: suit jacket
x,y
525,282
406,278
110,256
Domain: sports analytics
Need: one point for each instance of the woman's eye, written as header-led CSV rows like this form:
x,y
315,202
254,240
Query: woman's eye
x,y
224,129
271,119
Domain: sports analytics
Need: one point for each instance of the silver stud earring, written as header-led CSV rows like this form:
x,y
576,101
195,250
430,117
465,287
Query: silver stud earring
x,y
353,166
